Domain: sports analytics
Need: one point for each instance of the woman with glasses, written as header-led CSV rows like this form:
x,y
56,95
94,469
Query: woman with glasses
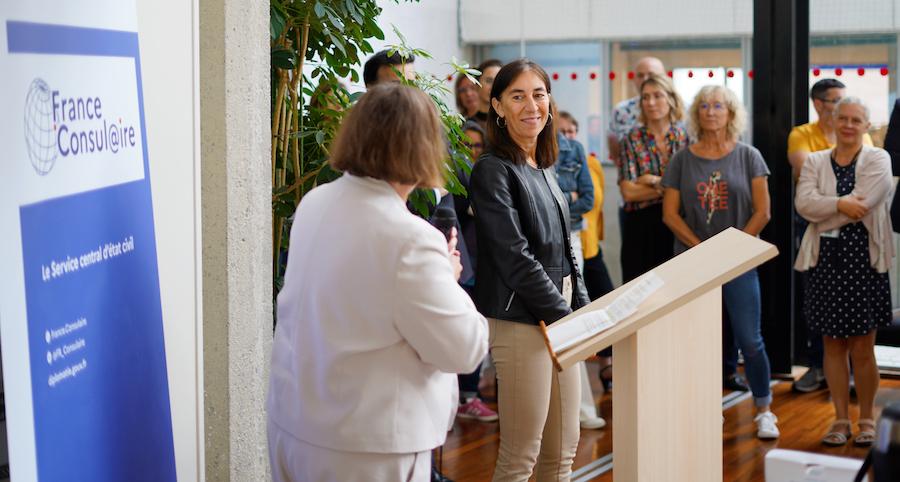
x,y
821,133
717,183
844,193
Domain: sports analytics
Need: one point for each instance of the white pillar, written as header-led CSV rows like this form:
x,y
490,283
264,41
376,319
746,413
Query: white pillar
x,y
237,242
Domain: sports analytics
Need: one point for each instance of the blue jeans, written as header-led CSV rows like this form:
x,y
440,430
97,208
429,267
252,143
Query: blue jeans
x,y
742,300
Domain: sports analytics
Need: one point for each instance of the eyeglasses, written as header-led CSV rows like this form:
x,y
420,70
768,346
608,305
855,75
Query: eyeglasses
x,y
474,145
712,106
829,101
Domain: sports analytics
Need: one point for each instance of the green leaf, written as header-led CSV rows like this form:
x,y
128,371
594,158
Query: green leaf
x,y
334,20
338,43
399,35
277,22
282,58
320,137
319,9
351,8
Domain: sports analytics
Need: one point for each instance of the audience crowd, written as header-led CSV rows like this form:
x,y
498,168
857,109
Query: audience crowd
x,y
527,248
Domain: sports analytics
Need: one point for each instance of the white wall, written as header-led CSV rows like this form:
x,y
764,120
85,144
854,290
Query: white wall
x,y
166,31
429,25
510,20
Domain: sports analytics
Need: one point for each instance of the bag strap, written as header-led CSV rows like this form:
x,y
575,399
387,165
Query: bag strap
x,y
865,467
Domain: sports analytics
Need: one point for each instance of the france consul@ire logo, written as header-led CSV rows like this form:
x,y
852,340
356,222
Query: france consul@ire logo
x,y
58,124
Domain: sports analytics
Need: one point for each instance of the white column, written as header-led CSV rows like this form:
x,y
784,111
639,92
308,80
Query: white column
x,y
237,241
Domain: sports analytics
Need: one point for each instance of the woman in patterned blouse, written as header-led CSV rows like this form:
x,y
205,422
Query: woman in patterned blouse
x,y
644,155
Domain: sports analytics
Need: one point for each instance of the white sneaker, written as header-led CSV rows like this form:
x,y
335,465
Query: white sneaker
x,y
765,426
593,423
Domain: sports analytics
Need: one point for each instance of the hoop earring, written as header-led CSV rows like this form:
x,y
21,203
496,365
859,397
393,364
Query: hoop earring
x,y
497,120
549,117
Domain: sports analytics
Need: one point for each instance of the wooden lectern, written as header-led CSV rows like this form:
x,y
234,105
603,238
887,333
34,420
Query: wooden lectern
x,y
668,363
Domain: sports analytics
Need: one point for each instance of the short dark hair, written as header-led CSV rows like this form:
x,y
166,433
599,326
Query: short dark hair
x,y
471,125
499,141
819,89
488,64
565,115
379,60
392,133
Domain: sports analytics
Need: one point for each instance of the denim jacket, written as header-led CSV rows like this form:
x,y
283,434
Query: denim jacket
x,y
573,176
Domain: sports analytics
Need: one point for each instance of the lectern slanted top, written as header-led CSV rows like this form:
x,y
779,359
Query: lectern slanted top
x,y
667,363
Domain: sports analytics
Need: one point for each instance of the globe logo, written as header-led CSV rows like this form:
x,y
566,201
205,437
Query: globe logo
x,y
39,128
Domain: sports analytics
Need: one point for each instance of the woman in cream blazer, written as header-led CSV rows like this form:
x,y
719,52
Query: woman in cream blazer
x,y
847,248
372,325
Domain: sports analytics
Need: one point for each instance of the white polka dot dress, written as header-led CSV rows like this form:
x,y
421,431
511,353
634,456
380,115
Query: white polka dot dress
x,y
845,295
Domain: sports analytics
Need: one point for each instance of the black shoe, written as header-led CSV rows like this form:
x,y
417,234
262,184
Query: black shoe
x,y
436,476
812,380
736,383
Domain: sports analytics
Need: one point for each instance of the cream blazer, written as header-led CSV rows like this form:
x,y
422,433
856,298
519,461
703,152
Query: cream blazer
x,y
816,200
372,326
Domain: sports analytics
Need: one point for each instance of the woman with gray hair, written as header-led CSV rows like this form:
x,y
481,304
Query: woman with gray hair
x,y
844,194
714,184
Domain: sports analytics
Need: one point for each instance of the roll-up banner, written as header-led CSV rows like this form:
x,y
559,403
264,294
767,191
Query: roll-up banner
x,y
84,362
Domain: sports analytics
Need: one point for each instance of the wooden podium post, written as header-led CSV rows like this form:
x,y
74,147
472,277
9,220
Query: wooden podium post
x,y
668,363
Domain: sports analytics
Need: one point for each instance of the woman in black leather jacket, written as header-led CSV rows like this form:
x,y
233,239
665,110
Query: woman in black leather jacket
x,y
526,274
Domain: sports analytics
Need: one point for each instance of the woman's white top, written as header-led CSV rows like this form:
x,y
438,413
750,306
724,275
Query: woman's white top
x,y
816,200
372,325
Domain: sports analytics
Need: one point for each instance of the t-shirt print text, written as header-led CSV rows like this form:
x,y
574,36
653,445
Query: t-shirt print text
x,y
713,194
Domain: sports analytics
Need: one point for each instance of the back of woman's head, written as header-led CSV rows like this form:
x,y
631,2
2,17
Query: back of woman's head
x,y
499,140
392,133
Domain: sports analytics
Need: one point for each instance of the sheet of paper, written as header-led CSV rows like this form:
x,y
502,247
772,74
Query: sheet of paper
x,y
565,335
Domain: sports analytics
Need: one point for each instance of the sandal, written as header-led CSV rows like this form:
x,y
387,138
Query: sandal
x,y
835,437
866,437
606,381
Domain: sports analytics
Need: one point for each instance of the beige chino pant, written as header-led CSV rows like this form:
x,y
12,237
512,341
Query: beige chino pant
x,y
539,426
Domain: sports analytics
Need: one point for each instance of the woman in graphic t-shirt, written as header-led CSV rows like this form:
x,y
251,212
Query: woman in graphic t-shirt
x,y
717,183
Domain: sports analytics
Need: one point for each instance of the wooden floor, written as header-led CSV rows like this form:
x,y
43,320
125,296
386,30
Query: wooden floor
x,y
471,449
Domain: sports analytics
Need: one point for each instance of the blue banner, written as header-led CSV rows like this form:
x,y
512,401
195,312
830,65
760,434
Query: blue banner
x,y
95,332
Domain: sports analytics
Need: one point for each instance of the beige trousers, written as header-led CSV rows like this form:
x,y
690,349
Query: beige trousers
x,y
539,426
293,460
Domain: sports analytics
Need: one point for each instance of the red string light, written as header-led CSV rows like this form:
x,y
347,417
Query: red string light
x,y
555,76
593,75
630,75
690,74
612,76
838,71
730,74
710,74
574,76
669,73
884,71
750,73
816,72
860,71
